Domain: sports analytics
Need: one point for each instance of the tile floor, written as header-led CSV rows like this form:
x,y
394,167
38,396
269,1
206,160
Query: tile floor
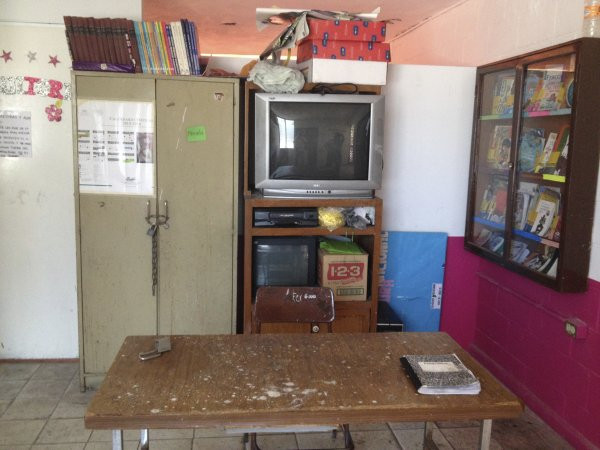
x,y
41,407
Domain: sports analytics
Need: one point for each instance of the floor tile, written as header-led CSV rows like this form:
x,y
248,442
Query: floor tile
x,y
466,438
10,388
19,431
218,443
412,439
407,425
3,406
64,430
106,435
184,433
49,389
272,441
17,371
171,444
30,408
526,432
127,445
216,432
49,371
320,440
77,446
375,440
68,410
369,427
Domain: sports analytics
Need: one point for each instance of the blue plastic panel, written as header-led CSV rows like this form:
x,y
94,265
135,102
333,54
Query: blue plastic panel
x,y
412,275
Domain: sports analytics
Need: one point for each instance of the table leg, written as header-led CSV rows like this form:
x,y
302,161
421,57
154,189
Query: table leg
x,y
117,439
485,436
144,442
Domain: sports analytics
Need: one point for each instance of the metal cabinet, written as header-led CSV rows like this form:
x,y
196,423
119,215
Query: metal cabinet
x,y
182,280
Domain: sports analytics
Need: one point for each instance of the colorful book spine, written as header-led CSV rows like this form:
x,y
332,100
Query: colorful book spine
x,y
142,47
173,53
162,65
170,70
132,44
195,52
180,47
152,57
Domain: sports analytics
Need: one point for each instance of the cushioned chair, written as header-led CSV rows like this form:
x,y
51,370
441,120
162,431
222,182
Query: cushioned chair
x,y
308,305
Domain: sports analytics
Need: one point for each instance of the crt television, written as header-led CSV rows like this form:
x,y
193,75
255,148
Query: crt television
x,y
284,261
313,145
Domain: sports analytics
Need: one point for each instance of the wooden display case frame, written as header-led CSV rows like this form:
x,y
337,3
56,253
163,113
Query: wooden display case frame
x,y
577,186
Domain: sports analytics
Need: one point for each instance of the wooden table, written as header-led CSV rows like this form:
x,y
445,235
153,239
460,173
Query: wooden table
x,y
246,381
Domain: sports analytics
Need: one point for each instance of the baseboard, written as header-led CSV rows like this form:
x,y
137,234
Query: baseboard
x,y
39,360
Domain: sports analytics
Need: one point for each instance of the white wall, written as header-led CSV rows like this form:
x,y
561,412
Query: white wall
x,y
38,299
429,115
52,11
481,31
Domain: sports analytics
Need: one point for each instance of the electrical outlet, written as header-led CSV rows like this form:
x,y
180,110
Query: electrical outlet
x,y
576,328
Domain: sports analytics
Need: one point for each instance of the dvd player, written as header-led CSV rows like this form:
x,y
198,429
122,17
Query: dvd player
x,y
286,217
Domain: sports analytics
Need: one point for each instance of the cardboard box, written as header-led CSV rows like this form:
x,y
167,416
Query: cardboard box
x,y
346,30
317,70
352,50
345,274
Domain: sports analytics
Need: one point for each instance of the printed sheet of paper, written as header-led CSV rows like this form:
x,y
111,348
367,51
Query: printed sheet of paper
x,y
15,134
116,147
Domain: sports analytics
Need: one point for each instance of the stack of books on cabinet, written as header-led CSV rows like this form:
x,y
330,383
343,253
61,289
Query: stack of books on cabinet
x,y
123,45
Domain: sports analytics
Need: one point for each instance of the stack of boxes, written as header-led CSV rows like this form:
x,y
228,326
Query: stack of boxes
x,y
344,51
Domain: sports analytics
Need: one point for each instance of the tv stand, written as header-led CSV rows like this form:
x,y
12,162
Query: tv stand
x,y
351,316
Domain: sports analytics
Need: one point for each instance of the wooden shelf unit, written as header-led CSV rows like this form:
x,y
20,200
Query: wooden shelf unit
x,y
351,316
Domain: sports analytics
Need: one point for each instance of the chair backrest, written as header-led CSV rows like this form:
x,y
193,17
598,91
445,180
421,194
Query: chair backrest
x,y
303,304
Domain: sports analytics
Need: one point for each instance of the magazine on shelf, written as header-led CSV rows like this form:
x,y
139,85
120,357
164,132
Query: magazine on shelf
x,y
531,144
503,100
519,251
440,374
499,150
550,93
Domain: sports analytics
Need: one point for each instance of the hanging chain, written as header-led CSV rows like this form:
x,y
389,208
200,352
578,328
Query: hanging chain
x,y
153,233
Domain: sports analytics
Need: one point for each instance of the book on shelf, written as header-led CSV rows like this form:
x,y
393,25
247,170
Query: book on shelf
x,y
483,236
519,251
122,45
542,260
531,144
503,95
550,91
493,201
440,374
542,159
499,150
563,152
529,89
496,242
542,215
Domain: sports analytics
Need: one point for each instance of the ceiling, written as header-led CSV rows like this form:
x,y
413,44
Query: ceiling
x,y
229,26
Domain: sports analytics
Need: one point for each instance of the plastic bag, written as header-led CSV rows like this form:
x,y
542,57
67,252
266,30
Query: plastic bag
x,y
276,79
331,218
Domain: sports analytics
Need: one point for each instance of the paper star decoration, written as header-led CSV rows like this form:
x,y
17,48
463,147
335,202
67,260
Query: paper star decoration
x,y
31,56
53,60
6,56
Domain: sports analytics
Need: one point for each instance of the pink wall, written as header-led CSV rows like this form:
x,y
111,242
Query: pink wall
x,y
515,327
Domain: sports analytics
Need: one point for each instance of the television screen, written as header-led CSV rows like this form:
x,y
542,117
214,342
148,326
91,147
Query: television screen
x,y
284,261
322,141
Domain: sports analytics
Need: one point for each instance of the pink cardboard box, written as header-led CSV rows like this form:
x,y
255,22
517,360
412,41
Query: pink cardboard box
x,y
351,50
346,30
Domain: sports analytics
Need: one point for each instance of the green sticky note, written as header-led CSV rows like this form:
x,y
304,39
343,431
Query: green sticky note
x,y
196,134
558,178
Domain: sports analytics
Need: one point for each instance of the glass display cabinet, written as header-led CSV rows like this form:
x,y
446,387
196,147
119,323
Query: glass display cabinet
x,y
534,163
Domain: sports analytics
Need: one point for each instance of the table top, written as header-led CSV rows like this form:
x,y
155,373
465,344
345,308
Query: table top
x,y
284,379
